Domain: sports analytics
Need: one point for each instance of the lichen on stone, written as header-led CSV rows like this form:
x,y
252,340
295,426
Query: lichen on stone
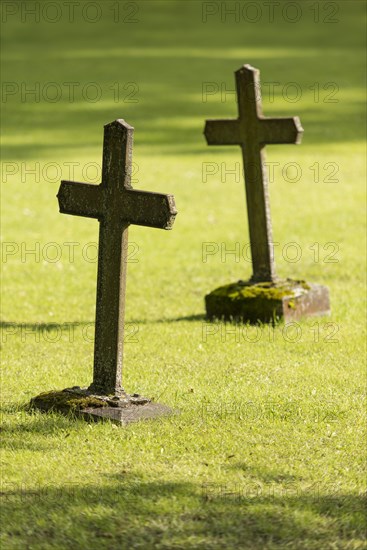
x,y
254,302
265,290
66,401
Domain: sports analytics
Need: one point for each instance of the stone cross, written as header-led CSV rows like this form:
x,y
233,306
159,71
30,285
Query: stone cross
x,y
252,131
116,205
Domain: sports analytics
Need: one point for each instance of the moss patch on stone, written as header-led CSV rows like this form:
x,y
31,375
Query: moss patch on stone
x,y
254,302
64,401
267,291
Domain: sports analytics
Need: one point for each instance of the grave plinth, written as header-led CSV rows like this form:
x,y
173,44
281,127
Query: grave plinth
x,y
83,403
116,205
266,302
263,298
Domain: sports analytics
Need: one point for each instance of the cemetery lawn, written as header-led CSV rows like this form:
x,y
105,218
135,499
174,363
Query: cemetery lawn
x,y
268,449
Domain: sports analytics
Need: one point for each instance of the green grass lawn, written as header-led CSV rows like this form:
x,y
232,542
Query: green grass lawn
x,y
267,451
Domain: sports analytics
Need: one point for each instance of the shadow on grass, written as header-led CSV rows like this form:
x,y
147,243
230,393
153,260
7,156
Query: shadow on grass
x,y
130,512
178,137
13,328
185,318
163,64
40,326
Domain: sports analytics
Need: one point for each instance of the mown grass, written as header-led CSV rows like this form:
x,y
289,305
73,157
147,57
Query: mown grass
x,y
267,449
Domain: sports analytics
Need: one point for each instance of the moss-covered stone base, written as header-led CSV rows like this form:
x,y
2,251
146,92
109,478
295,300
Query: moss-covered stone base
x,y
81,402
251,302
66,401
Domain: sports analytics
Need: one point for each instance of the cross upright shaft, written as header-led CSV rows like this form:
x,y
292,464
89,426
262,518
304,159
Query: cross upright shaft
x,y
252,131
116,205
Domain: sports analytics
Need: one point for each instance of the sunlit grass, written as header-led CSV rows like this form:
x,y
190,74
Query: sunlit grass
x,y
266,450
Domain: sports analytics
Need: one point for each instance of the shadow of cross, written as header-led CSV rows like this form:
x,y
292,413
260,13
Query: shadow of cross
x,y
116,205
252,131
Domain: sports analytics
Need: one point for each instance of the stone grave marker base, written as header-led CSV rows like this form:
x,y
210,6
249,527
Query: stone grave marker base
x,y
251,302
83,403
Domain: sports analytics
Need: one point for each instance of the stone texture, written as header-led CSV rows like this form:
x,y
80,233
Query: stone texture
x,y
127,415
116,205
267,302
83,403
252,131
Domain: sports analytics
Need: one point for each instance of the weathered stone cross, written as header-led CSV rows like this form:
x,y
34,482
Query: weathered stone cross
x,y
116,205
252,131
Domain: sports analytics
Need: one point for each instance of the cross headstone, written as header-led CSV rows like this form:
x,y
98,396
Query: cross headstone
x,y
116,205
264,297
252,131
